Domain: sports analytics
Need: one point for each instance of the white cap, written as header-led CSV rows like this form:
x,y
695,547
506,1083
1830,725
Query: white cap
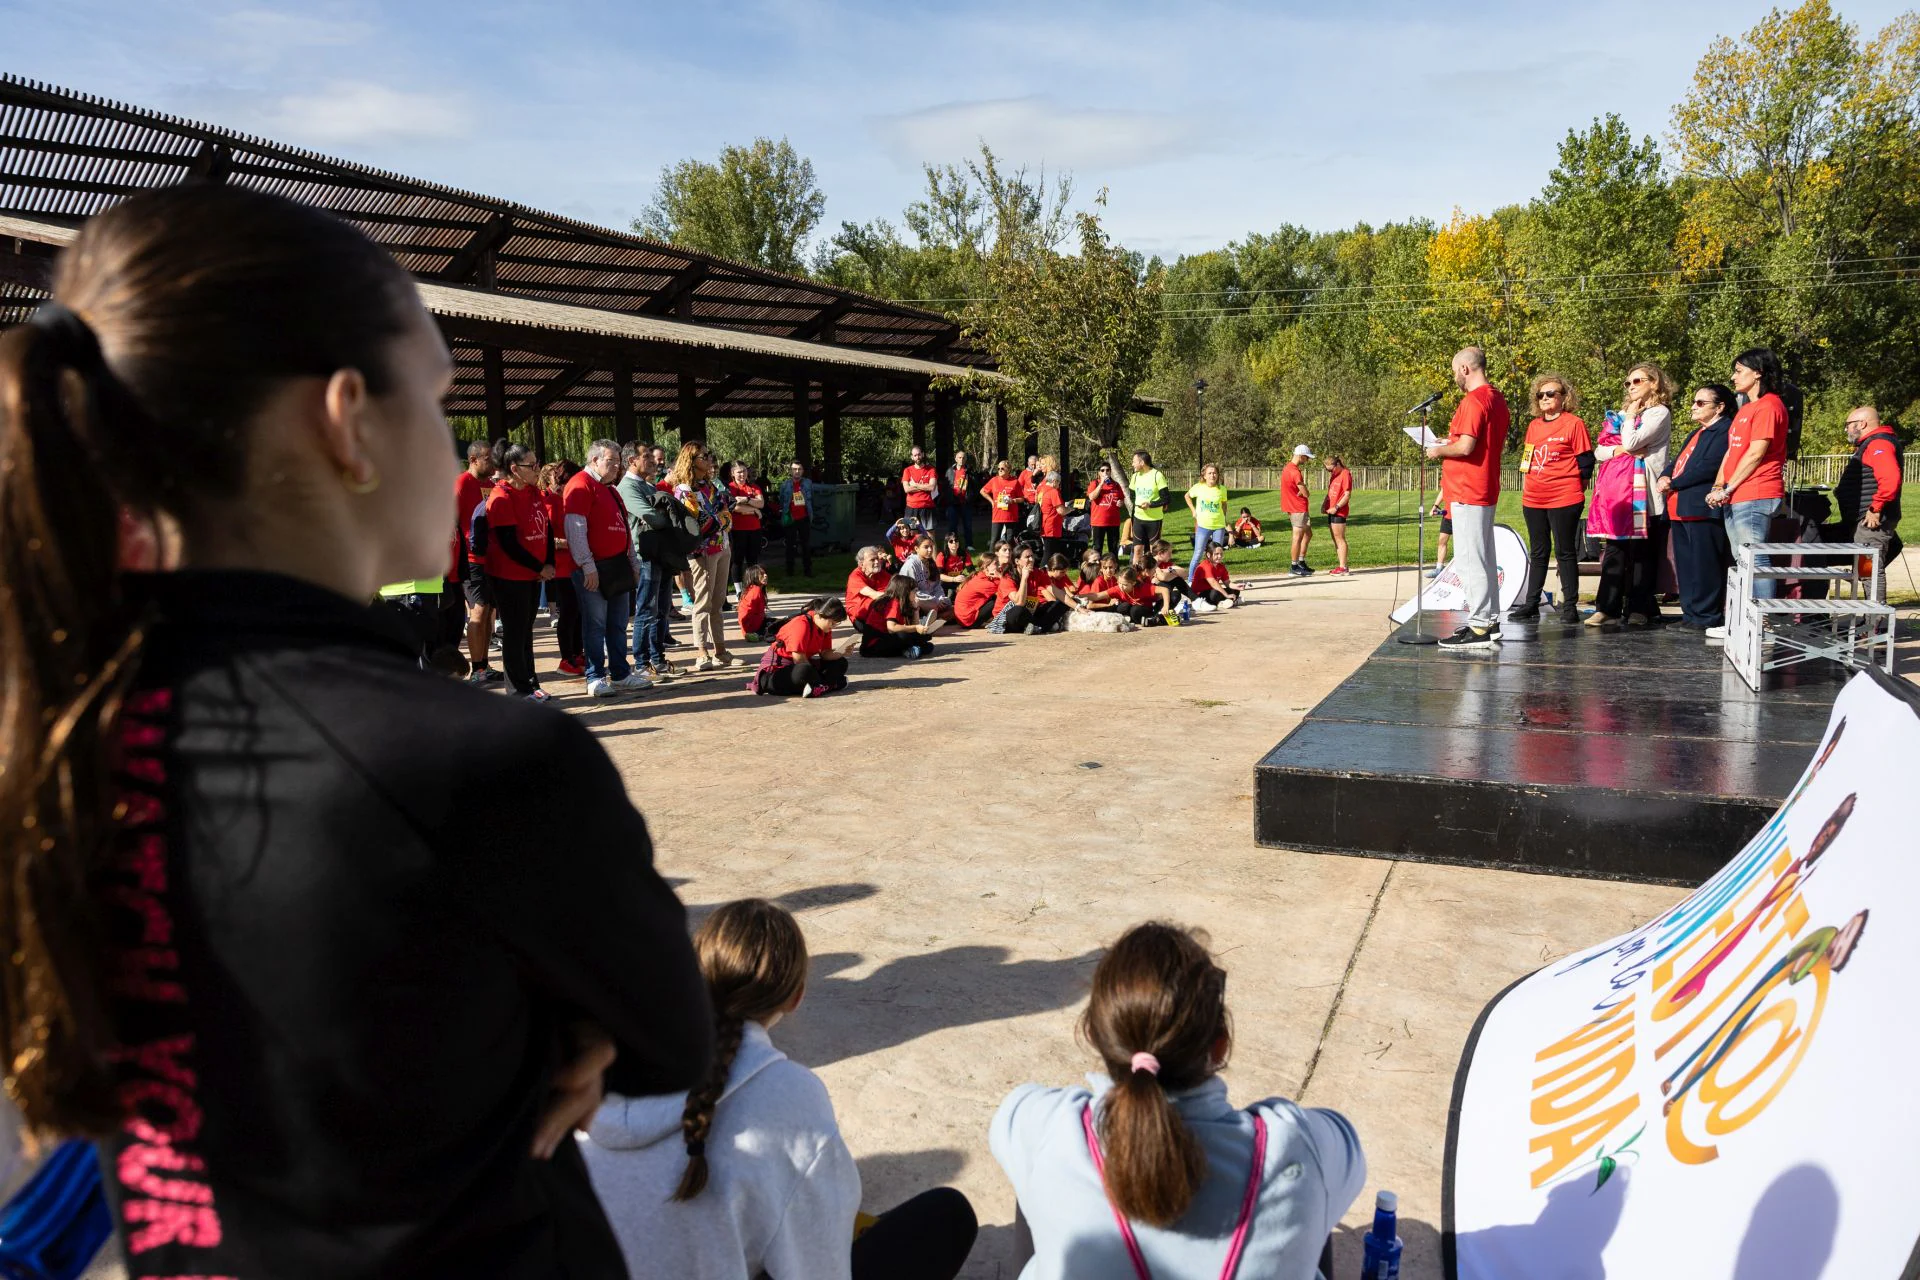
x,y
1301,451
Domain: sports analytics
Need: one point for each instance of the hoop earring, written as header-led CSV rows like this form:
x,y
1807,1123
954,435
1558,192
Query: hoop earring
x,y
360,488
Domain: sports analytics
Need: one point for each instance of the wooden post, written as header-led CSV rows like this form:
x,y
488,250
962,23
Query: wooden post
x,y
625,429
920,416
803,425
943,430
999,431
537,431
1066,449
690,419
830,434
1029,437
493,370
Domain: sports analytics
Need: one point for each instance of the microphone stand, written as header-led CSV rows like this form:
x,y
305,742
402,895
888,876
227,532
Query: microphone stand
x,y
1419,634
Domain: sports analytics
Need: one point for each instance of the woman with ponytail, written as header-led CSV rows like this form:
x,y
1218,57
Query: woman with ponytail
x,y
746,1175
277,945
1152,1173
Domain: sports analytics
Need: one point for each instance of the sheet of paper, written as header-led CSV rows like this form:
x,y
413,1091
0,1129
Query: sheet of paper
x,y
1421,436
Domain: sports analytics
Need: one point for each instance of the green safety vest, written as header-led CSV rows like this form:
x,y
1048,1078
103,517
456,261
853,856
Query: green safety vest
x,y
418,587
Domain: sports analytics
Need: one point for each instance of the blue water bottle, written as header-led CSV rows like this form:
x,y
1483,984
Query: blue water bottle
x,y
1382,1244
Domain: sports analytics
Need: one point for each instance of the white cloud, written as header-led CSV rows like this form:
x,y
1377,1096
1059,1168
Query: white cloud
x,y
1040,130
353,112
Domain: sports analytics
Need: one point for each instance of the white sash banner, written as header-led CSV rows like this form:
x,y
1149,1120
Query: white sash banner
x,y
1718,1093
1443,592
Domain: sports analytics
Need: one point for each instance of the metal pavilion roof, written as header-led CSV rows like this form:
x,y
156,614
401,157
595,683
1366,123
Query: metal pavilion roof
x,y
65,155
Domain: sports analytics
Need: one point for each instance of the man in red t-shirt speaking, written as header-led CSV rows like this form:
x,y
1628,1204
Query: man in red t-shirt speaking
x,y
1470,477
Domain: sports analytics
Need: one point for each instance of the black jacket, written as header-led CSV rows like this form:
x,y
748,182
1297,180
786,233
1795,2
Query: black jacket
x,y
361,905
1694,482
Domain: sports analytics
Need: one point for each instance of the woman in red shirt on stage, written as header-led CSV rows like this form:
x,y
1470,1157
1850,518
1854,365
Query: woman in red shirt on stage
x,y
1751,486
560,594
1106,509
1005,495
802,661
519,559
1334,505
1555,464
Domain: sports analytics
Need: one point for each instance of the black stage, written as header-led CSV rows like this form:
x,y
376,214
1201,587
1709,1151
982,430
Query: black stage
x,y
1631,755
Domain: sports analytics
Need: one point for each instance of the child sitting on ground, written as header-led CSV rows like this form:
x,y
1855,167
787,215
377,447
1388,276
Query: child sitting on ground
x,y
1212,581
747,1174
1134,598
1246,530
1152,1171
893,627
752,609
802,661
955,563
1176,595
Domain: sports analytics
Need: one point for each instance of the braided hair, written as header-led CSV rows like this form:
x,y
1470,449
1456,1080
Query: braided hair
x,y
754,960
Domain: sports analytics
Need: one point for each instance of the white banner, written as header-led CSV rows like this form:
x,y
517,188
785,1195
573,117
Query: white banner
x,y
1720,1093
1443,592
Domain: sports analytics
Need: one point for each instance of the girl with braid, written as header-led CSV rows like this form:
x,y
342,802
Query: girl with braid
x,y
746,1174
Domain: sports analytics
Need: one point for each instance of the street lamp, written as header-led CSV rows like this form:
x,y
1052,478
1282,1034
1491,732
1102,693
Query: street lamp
x,y
1200,409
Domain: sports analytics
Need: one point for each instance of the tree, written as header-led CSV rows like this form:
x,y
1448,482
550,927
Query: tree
x,y
1076,332
757,205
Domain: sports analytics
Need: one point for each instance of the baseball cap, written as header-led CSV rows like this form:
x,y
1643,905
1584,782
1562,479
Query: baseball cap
x,y
1301,451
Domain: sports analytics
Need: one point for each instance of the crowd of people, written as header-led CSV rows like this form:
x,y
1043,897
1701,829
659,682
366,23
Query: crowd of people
x,y
291,949
1624,485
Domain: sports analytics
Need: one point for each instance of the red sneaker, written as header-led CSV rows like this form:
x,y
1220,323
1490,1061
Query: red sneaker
x,y
573,668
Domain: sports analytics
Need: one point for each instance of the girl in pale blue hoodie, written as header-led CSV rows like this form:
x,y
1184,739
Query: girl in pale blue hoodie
x,y
1151,1173
747,1174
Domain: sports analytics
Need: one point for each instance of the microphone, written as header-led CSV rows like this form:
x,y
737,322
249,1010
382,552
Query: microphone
x,y
1426,404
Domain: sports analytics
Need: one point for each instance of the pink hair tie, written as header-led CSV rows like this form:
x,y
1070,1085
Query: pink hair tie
x,y
1146,1062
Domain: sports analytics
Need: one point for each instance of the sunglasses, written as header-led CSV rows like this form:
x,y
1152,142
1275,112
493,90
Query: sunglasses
x,y
1635,381
1705,404
1546,395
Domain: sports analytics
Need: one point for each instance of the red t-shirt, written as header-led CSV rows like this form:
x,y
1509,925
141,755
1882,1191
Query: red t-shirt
x,y
800,638
918,501
526,511
1106,505
884,610
955,563
797,505
1550,462
468,493
1293,490
1211,575
747,521
1006,494
962,482
1142,593
1339,493
1053,513
973,596
1247,525
1760,424
1474,480
1102,586
857,604
1061,579
752,609
605,513
556,520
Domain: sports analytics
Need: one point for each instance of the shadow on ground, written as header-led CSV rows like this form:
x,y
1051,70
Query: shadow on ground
x,y
916,995
796,900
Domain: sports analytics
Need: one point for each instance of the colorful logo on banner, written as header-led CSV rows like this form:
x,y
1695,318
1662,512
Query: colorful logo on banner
x,y
1444,593
1724,1092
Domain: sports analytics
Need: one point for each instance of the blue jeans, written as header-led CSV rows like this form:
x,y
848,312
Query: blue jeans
x,y
652,599
603,630
1202,539
1747,523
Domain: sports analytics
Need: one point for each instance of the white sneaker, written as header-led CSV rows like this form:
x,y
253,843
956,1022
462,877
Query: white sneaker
x,y
1225,604
633,682
601,688
1203,606
723,661
1715,633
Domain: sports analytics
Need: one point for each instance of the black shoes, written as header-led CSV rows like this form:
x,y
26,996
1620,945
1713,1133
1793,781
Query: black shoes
x,y
1524,613
1299,569
1473,638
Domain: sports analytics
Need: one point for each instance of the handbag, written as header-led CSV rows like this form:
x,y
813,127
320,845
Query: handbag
x,y
616,575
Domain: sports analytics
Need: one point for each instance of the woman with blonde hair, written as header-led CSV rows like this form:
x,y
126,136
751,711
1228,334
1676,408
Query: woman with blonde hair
x,y
1629,512
1555,463
695,489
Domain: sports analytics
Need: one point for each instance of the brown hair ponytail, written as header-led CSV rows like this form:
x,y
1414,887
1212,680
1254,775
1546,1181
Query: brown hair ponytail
x,y
174,315
754,959
1157,992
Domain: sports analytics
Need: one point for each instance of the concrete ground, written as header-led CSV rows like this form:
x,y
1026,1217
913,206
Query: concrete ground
x,y
961,835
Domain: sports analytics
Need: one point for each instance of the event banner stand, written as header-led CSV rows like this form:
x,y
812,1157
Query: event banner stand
x,y
1722,1092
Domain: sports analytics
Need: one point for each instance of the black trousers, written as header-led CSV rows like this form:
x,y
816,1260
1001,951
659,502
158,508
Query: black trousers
x,y
747,546
806,672
517,602
1561,526
799,539
1141,613
877,643
927,1238
1702,555
566,612
1106,540
1005,531
1051,547
1046,615
1630,573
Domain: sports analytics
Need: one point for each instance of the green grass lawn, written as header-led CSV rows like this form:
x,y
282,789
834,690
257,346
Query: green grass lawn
x,y
1382,530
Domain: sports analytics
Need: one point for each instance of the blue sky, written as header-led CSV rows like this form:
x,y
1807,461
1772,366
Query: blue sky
x,y
1205,120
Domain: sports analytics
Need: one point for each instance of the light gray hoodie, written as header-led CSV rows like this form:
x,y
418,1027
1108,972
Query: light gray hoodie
x,y
782,1188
